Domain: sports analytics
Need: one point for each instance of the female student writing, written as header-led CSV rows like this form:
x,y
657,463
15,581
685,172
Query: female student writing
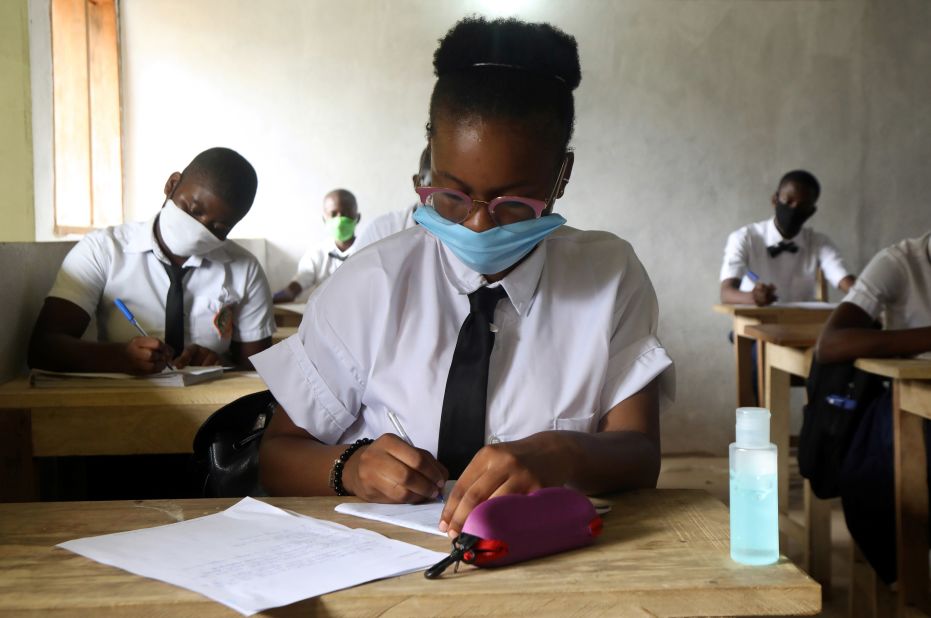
x,y
517,352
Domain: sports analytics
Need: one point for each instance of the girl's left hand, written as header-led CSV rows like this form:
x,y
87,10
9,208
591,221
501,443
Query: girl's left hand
x,y
540,460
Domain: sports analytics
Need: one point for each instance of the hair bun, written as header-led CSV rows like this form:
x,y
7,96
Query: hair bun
x,y
537,48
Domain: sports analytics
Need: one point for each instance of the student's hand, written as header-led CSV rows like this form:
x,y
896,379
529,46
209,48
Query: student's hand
x,y
518,467
147,355
196,356
282,296
391,470
764,294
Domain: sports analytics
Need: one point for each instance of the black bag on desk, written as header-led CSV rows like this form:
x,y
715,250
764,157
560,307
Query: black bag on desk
x,y
838,395
226,447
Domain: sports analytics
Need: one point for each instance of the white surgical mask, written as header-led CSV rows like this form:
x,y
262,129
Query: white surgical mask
x,y
183,234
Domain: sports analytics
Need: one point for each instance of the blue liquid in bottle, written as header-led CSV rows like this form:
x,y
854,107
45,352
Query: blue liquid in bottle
x,y
754,491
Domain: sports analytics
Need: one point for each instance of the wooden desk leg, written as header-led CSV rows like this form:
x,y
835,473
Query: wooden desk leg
x,y
818,538
742,347
17,474
760,372
911,508
776,398
868,597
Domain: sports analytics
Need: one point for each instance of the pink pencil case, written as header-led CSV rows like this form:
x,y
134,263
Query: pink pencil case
x,y
514,528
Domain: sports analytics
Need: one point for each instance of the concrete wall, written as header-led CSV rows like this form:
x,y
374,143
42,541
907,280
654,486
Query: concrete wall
x,y
16,206
687,114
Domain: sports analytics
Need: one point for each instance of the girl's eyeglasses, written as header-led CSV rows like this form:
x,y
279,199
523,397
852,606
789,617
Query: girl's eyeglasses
x,y
456,206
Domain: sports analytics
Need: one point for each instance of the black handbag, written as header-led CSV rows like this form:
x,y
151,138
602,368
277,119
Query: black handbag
x,y
226,447
838,396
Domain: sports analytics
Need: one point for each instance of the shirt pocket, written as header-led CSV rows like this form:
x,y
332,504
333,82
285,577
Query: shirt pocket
x,y
213,320
585,423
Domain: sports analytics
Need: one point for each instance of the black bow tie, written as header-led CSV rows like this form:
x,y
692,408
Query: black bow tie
x,y
335,255
783,245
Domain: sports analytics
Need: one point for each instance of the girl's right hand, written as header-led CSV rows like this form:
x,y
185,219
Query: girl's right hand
x,y
390,470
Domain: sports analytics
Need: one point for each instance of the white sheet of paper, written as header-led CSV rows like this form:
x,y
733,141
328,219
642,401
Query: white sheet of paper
x,y
254,556
806,304
423,517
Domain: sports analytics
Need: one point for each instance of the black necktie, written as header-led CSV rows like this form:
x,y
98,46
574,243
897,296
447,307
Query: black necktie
x,y
462,426
174,307
783,245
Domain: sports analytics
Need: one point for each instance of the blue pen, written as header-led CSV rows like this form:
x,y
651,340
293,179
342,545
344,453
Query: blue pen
x,y
752,276
132,320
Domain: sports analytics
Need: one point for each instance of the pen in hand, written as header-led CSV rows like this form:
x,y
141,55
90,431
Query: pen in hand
x,y
448,485
752,276
397,427
132,320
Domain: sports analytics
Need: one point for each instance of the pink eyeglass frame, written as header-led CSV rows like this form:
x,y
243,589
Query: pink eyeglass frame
x,y
538,206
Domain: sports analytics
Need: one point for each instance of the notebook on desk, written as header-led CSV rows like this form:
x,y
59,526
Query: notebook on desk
x,y
171,378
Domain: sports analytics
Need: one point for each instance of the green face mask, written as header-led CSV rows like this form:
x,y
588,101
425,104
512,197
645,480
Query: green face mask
x,y
341,228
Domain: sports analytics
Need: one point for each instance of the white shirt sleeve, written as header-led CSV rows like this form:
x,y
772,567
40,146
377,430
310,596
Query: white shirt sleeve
x,y
736,255
830,261
372,232
255,319
312,392
635,355
880,284
83,274
314,375
308,269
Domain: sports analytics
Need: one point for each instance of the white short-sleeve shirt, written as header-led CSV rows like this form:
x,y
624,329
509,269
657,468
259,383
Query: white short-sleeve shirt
x,y
575,337
897,284
386,225
226,294
795,275
319,263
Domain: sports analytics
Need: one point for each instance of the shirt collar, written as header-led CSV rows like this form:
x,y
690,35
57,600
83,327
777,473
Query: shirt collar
x,y
141,238
772,236
347,252
520,284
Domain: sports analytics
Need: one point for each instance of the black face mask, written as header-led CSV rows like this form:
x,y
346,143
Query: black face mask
x,y
790,220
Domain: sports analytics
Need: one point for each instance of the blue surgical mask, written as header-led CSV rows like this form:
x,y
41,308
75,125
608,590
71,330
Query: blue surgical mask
x,y
493,250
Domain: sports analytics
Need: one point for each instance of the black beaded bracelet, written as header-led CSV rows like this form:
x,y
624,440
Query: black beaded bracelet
x,y
336,473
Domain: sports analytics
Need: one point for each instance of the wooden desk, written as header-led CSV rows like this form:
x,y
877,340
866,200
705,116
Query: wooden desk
x,y
282,333
911,406
787,350
662,553
289,314
49,422
749,315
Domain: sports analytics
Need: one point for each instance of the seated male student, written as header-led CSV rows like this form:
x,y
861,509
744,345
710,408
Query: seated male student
x,y
778,258
399,220
895,287
201,299
340,216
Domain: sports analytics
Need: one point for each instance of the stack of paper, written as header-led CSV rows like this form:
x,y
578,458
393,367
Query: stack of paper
x,y
424,517
254,556
169,377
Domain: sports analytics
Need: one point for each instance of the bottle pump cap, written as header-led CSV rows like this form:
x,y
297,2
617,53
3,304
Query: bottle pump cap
x,y
752,427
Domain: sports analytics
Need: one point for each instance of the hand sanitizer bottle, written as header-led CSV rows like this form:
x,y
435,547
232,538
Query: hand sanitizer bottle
x,y
754,490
